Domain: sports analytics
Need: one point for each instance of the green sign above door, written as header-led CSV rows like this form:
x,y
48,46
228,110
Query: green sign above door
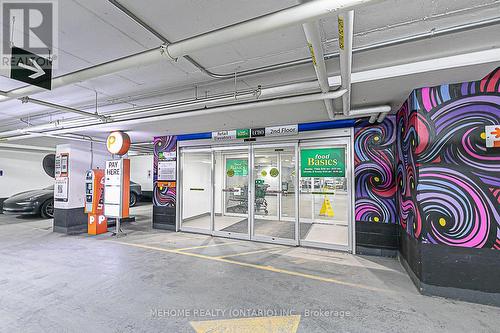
x,y
236,167
322,162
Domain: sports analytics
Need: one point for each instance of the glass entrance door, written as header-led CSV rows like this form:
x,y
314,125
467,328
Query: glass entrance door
x,y
325,200
231,192
196,190
274,194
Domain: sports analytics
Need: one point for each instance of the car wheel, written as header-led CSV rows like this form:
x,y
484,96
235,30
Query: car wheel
x,y
133,199
47,209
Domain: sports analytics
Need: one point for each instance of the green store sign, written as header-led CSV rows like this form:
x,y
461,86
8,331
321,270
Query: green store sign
x,y
236,167
322,162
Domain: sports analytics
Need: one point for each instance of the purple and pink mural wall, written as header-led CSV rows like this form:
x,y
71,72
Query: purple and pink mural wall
x,y
448,181
428,168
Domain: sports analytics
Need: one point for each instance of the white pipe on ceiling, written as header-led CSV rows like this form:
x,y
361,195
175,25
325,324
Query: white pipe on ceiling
x,y
311,30
305,12
346,36
298,14
259,93
197,112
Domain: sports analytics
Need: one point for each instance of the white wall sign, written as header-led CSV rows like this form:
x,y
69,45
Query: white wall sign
x,y
61,189
167,170
224,135
492,136
112,188
57,165
282,130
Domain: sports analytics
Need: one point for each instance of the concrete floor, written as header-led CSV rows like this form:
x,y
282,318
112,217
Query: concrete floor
x,y
177,282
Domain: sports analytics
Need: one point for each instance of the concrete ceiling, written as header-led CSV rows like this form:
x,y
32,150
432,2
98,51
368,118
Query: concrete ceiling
x,y
94,31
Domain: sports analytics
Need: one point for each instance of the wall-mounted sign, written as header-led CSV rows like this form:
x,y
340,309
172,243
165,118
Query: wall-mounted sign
x,y
167,155
242,133
492,136
31,68
224,135
64,165
246,133
167,170
57,166
61,189
322,162
256,132
236,167
282,130
118,143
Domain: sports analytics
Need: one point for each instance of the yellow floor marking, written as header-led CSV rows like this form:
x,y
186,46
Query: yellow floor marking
x,y
205,246
261,267
249,252
284,324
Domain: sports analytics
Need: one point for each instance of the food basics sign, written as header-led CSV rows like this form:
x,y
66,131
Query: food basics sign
x,y
322,162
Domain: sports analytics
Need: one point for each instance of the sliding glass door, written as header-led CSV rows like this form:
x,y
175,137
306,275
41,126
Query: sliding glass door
x,y
274,195
232,192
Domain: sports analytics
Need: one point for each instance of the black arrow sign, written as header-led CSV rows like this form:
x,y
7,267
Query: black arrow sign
x,y
31,68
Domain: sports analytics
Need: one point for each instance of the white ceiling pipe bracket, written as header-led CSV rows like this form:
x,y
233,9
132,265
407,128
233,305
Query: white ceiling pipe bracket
x,y
381,117
373,119
346,37
371,110
311,30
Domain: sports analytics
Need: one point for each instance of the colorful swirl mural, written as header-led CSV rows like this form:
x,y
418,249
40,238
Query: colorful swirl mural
x,y
163,196
374,171
449,182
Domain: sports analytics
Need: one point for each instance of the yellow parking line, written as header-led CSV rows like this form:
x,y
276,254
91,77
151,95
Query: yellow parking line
x,y
249,252
205,246
260,267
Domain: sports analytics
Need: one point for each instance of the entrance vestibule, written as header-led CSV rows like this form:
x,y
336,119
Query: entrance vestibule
x,y
295,193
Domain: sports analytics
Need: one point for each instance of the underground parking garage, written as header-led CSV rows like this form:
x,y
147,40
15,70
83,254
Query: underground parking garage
x,y
250,166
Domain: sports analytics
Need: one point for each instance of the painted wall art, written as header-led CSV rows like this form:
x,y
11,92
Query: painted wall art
x,y
374,168
165,149
448,181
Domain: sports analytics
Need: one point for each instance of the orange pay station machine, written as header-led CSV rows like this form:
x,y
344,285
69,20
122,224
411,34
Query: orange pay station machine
x,y
94,202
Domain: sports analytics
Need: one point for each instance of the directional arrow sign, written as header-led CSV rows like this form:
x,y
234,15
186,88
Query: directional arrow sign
x,y
30,68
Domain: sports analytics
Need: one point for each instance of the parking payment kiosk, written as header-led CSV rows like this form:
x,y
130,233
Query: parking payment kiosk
x,y
94,202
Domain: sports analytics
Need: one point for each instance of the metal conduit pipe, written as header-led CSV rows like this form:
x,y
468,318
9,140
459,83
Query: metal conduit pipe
x,y
346,33
63,129
220,99
27,99
311,30
27,90
300,13
284,65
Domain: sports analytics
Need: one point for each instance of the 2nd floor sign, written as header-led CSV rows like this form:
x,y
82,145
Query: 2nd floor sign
x,y
30,68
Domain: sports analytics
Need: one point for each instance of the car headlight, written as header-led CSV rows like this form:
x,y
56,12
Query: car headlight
x,y
25,203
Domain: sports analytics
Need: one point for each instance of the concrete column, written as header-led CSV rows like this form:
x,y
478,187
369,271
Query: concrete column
x,y
69,216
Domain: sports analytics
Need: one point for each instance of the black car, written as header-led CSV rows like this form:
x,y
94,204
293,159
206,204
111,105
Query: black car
x,y
41,202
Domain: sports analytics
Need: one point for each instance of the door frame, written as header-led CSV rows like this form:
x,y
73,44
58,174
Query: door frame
x,y
222,149
332,142
181,190
302,139
270,239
